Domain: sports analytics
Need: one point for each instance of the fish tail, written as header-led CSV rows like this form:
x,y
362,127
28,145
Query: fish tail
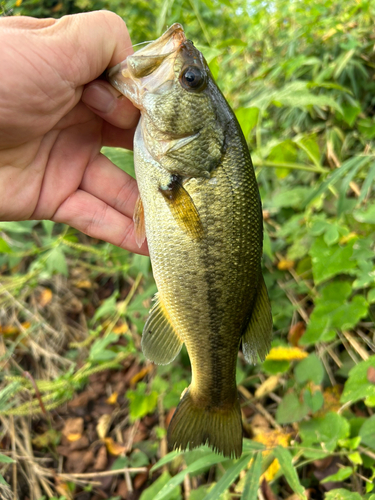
x,y
193,426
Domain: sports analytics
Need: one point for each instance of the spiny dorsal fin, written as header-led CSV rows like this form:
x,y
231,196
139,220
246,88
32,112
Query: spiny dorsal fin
x,y
160,342
257,338
183,209
139,222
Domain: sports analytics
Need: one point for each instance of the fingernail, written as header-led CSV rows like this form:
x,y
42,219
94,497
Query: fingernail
x,y
99,98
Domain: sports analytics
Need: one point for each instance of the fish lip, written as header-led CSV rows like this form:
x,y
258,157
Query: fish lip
x,y
121,77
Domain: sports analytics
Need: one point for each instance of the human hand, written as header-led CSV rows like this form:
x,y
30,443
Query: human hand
x,y
53,123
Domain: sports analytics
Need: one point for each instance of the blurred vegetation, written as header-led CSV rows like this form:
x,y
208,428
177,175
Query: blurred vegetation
x,y
300,76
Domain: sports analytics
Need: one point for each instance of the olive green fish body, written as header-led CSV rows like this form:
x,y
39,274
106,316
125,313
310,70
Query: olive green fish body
x,y
203,222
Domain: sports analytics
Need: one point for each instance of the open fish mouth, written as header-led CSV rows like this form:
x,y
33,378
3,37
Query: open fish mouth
x,y
146,71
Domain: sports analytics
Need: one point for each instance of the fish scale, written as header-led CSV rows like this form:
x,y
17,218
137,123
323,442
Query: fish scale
x,y
203,222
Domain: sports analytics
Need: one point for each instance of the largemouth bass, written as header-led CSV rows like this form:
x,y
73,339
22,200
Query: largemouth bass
x,y
200,208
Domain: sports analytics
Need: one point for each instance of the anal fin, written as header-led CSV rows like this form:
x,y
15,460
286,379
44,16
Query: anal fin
x,y
257,338
139,222
160,342
182,208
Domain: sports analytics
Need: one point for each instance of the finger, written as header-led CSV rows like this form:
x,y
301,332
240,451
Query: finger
x,y
117,137
111,185
97,219
91,42
108,103
25,22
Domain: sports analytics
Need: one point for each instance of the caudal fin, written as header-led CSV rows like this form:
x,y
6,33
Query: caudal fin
x,y
193,426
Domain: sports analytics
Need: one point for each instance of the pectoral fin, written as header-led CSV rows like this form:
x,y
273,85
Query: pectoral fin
x,y
139,222
160,342
257,337
183,209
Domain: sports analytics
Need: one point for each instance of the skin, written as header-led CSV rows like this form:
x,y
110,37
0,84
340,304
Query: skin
x,y
55,115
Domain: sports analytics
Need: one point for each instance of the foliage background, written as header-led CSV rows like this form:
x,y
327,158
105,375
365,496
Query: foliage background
x,y
300,76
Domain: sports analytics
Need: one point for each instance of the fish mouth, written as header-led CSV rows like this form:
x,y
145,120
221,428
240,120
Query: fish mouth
x,y
145,70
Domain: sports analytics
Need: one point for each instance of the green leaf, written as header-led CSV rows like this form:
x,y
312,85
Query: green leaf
x,y
340,475
18,227
371,296
291,409
2,481
309,369
121,158
341,494
203,463
141,403
247,118
151,492
250,491
48,226
4,459
320,435
367,432
358,386
166,460
98,351
333,312
56,262
228,478
359,161
4,247
285,460
366,216
328,261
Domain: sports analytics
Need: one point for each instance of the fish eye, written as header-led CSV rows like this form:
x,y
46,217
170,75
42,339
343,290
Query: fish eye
x,y
193,78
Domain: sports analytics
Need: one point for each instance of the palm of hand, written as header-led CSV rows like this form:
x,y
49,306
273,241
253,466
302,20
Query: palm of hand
x,y
50,141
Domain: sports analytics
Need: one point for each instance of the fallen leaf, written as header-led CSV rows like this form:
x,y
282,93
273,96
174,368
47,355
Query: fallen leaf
x,y
371,375
295,333
120,329
141,374
103,425
73,437
50,437
45,297
267,386
286,354
112,400
73,429
114,448
101,459
285,264
82,284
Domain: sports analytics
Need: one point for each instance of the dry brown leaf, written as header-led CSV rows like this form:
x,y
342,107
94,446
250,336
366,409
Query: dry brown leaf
x,y
114,448
103,425
371,375
295,333
101,459
73,428
267,386
45,297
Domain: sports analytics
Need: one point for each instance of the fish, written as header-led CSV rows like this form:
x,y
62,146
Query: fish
x,y
200,209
